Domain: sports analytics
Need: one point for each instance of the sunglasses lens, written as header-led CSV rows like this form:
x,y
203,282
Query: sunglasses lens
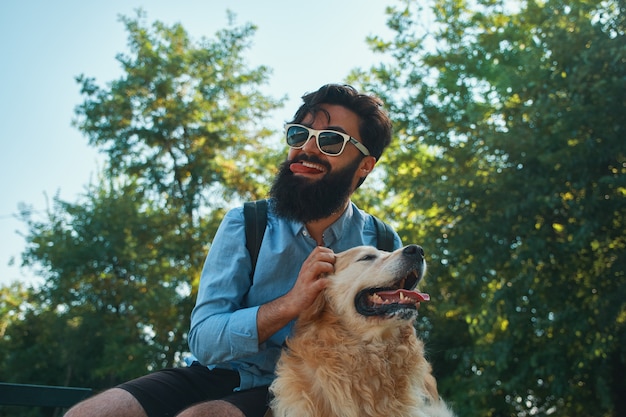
x,y
331,143
297,136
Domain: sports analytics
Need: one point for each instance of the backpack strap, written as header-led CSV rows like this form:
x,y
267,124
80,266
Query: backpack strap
x,y
384,235
255,217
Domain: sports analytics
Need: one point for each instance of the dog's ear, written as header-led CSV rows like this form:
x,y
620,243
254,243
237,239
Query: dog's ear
x,y
316,309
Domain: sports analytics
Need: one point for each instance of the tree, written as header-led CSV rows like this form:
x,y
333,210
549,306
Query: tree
x,y
511,170
117,271
121,264
181,115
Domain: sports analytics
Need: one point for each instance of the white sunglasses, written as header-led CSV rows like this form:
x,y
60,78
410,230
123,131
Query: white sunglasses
x,y
329,142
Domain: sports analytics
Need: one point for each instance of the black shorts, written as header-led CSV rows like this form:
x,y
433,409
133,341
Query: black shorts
x,y
167,392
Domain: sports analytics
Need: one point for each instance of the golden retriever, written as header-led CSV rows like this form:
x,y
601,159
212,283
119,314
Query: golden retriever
x,y
354,352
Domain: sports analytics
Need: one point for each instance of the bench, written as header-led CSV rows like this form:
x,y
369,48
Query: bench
x,y
41,395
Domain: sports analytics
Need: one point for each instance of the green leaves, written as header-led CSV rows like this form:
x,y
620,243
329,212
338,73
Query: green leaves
x,y
180,113
120,265
507,168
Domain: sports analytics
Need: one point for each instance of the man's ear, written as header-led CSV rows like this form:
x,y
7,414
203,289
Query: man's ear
x,y
367,165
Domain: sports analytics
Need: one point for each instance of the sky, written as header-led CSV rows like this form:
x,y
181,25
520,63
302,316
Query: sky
x,y
44,45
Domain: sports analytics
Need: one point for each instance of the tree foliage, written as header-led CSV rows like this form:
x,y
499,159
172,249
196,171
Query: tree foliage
x,y
511,170
120,265
181,114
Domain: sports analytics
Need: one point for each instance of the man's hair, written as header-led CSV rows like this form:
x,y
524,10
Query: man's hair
x,y
374,126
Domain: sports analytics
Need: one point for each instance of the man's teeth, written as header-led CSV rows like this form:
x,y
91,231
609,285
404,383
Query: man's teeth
x,y
312,166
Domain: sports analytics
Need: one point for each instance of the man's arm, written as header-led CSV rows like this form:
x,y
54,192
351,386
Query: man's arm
x,y
221,330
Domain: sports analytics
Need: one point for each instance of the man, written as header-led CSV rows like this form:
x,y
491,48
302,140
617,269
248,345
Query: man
x,y
240,323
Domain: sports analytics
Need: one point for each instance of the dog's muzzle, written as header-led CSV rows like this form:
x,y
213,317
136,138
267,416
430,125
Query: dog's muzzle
x,y
400,299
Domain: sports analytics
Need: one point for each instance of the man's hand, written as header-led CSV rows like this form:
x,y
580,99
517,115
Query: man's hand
x,y
311,280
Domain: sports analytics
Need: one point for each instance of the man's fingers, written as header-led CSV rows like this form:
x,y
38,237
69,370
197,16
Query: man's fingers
x,y
324,254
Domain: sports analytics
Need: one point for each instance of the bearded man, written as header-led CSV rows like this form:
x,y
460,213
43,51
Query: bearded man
x,y
239,323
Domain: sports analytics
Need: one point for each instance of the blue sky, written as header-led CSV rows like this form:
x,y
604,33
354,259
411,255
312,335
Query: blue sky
x,y
45,45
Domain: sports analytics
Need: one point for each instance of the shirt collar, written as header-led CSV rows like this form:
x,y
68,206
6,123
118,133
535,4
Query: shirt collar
x,y
334,231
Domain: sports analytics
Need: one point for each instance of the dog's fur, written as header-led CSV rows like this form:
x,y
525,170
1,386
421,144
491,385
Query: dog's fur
x,y
350,361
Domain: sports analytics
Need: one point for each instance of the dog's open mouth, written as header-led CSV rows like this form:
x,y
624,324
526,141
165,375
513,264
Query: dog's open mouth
x,y
401,299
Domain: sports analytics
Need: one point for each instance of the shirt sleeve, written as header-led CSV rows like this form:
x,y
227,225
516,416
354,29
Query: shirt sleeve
x,y
222,327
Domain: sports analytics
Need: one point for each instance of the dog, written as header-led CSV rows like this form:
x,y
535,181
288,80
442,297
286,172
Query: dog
x,y
355,352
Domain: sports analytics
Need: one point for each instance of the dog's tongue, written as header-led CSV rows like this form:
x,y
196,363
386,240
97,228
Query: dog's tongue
x,y
403,296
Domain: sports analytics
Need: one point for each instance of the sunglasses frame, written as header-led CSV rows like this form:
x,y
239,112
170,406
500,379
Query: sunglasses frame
x,y
314,132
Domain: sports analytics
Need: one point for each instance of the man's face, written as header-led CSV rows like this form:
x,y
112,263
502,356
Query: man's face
x,y
311,185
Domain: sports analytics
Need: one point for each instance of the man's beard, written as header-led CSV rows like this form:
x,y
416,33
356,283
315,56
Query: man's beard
x,y
306,200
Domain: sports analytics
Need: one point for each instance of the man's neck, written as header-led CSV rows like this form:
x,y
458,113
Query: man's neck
x,y
316,228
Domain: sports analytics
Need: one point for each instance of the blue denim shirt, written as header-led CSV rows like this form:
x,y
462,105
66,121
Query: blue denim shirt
x,y
223,323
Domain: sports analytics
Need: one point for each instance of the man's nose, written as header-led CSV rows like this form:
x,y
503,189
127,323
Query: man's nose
x,y
311,145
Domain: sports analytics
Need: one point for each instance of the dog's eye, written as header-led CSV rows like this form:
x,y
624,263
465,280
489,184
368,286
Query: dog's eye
x,y
367,258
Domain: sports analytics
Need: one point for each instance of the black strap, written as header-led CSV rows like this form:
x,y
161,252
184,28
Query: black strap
x,y
384,235
255,217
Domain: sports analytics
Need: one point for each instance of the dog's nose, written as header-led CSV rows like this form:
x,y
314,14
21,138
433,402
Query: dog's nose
x,y
413,251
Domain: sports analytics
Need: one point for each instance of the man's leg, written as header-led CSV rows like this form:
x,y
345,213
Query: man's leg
x,y
217,408
113,402
164,393
249,403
